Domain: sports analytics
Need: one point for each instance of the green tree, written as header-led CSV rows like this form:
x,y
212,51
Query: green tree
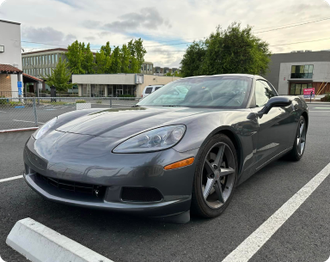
x,y
116,57
233,50
103,61
137,52
125,59
88,63
176,74
75,57
100,62
60,76
192,61
106,49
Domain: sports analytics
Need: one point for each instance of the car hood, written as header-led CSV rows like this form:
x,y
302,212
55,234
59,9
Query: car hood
x,y
124,122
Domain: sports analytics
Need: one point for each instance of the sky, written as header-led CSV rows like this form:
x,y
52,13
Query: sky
x,y
167,27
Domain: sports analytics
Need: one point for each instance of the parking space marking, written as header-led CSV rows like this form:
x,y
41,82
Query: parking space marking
x,y
261,235
26,121
10,178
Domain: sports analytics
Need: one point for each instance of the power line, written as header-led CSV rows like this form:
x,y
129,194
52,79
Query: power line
x,y
315,40
265,30
293,25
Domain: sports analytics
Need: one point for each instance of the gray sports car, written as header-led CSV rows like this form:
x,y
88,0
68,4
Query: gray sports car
x,y
184,147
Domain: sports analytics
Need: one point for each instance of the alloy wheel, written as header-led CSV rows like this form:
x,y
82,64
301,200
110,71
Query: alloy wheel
x,y
218,178
301,136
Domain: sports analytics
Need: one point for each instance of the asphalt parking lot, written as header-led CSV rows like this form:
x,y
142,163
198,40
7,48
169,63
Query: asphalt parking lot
x,y
303,237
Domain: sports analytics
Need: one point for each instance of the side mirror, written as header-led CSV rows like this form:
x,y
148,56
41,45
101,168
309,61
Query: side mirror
x,y
276,101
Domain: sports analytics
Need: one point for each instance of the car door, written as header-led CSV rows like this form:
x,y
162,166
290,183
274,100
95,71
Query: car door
x,y
269,140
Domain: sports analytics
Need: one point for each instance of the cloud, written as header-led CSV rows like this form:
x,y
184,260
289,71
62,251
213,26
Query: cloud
x,y
69,3
90,38
148,18
90,24
47,35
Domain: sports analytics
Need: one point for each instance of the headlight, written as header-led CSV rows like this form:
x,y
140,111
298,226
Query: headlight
x,y
153,140
42,130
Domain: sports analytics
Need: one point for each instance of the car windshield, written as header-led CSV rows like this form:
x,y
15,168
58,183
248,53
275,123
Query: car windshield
x,y
215,91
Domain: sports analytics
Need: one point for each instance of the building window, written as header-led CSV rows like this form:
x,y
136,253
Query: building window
x,y
302,71
298,88
56,58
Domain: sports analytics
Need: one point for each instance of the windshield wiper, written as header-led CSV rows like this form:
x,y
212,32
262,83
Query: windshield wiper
x,y
171,106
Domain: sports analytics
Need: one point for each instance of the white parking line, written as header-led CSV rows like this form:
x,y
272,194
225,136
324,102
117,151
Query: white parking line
x,y
261,235
1,260
18,120
10,178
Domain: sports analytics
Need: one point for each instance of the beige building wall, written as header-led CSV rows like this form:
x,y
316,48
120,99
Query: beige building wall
x,y
154,80
5,85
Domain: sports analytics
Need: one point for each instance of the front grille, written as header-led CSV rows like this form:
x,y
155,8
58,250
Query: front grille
x,y
140,194
76,187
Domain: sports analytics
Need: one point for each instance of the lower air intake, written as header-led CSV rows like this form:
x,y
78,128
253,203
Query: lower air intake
x,y
141,194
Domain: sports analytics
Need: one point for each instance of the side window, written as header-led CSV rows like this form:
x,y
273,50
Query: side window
x,y
263,93
157,88
148,90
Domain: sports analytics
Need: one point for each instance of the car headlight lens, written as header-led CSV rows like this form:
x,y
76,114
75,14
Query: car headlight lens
x,y
153,140
42,130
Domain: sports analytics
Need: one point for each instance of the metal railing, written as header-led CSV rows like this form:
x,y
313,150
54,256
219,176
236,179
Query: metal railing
x,y
19,112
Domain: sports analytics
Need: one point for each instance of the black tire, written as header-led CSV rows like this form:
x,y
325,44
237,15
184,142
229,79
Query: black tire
x,y
210,200
299,143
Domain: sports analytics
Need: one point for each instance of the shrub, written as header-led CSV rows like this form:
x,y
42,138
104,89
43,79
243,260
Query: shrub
x,y
3,101
125,96
326,98
80,101
15,103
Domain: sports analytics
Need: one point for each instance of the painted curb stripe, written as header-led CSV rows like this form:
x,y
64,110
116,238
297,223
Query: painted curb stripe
x,y
261,235
10,179
39,243
19,129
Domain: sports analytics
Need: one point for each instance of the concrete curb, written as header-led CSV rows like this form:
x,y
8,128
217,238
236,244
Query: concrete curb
x,y
318,103
19,130
39,243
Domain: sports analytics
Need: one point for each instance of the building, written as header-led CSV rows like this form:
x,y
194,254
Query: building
x,y
115,85
291,73
160,71
11,79
147,68
41,63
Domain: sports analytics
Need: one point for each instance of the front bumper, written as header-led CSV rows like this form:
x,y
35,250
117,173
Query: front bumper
x,y
111,171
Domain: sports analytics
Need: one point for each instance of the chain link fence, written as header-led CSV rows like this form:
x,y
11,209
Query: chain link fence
x,y
16,113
